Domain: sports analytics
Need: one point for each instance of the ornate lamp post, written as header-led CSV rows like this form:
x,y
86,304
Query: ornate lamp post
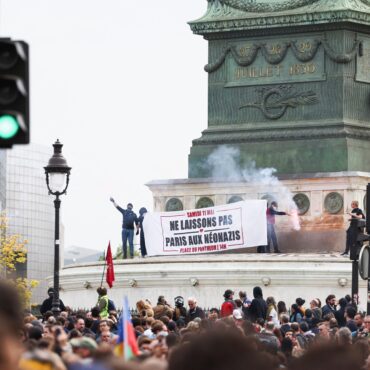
x,y
57,178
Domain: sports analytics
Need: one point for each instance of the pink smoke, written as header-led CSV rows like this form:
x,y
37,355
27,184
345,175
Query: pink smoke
x,y
294,218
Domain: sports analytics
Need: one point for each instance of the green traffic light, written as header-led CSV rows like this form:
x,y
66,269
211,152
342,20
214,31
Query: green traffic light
x,y
9,127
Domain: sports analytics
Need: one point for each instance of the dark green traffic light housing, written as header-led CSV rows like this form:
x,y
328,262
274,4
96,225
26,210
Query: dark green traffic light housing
x,y
14,93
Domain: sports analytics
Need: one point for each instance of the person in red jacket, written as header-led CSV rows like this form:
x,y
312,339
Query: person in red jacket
x,y
229,305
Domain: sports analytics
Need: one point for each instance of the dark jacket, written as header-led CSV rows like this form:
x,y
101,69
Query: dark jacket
x,y
327,310
271,213
129,218
339,315
48,304
258,307
193,313
351,325
179,312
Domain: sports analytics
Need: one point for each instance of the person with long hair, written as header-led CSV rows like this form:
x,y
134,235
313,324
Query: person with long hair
x,y
281,309
272,314
296,314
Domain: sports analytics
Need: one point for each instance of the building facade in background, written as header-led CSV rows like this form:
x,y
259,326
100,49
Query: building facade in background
x,y
30,210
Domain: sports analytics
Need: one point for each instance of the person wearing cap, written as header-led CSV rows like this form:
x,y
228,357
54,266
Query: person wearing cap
x,y
238,318
47,305
84,347
129,219
229,305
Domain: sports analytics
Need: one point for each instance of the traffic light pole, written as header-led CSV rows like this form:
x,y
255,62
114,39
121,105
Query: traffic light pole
x,y
354,292
368,297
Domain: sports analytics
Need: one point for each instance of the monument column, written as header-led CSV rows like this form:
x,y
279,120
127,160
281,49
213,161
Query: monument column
x,y
288,88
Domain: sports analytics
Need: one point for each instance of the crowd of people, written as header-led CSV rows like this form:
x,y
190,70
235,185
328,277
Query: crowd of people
x,y
243,333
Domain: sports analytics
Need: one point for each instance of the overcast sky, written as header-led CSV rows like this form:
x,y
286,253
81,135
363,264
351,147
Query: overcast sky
x,y
121,84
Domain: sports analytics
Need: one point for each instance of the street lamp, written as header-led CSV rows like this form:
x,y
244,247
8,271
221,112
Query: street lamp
x,y
57,179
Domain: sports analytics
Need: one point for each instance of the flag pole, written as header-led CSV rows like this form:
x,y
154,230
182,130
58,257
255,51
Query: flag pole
x,y
102,276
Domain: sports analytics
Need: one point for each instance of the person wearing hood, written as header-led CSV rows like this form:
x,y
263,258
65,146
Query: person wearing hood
x,y
258,307
47,305
271,212
140,228
340,314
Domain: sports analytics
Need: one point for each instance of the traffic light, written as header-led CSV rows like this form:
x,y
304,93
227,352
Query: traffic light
x,y
14,93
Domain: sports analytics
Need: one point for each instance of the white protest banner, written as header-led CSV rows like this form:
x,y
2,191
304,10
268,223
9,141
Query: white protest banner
x,y
221,228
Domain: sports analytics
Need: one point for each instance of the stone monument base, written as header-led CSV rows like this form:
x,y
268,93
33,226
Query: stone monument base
x,y
323,201
206,277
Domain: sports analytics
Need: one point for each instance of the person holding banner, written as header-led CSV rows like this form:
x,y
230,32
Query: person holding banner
x,y
140,228
271,235
129,219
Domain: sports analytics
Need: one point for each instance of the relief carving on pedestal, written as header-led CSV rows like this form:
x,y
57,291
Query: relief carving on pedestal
x,y
204,202
276,53
174,204
275,101
235,198
263,6
302,202
333,203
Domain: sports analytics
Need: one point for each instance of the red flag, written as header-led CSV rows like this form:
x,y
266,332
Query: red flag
x,y
110,268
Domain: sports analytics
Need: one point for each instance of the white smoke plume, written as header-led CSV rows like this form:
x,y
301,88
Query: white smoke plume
x,y
225,165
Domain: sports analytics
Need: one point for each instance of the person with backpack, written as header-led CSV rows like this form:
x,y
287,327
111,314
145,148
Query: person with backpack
x,y
103,302
129,219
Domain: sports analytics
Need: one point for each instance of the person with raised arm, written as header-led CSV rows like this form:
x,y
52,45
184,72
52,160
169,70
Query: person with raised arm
x,y
129,220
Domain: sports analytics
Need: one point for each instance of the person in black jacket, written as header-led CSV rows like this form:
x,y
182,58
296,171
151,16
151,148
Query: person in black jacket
x,y
140,228
258,307
180,310
47,305
356,214
129,219
194,310
340,314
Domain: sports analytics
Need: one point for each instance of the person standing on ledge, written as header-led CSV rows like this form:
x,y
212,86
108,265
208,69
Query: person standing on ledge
x,y
271,235
352,231
129,219
140,229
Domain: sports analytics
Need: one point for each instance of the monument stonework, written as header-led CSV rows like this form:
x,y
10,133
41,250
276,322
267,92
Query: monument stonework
x,y
289,87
